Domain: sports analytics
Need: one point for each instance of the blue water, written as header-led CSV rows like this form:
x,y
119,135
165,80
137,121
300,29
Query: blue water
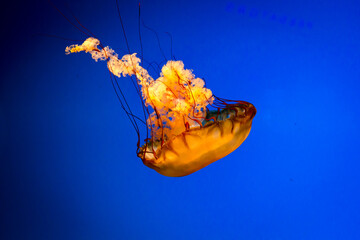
x,y
68,166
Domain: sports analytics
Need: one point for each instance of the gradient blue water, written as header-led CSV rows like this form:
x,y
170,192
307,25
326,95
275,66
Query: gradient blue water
x,y
68,167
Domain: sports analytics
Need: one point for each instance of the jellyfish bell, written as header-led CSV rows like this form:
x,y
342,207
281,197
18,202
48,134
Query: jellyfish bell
x,y
198,147
189,126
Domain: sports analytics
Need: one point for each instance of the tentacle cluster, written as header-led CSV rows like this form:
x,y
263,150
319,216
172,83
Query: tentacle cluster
x,y
178,98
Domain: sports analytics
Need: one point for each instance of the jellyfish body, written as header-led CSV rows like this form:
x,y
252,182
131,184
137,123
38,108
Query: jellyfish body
x,y
196,148
186,135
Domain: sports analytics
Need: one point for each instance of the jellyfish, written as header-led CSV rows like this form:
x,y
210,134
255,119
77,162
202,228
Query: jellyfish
x,y
188,127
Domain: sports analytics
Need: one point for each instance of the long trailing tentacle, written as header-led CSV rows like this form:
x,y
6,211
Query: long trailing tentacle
x,y
122,100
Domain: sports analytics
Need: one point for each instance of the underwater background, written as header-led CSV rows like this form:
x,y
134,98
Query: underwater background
x,y
68,167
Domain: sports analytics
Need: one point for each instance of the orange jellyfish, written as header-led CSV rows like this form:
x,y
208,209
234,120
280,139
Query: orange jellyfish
x,y
189,126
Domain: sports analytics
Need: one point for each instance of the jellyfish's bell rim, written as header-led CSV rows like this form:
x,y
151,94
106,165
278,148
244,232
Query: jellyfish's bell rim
x,y
250,110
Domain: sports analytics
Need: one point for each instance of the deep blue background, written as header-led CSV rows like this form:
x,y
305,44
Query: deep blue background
x,y
68,167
